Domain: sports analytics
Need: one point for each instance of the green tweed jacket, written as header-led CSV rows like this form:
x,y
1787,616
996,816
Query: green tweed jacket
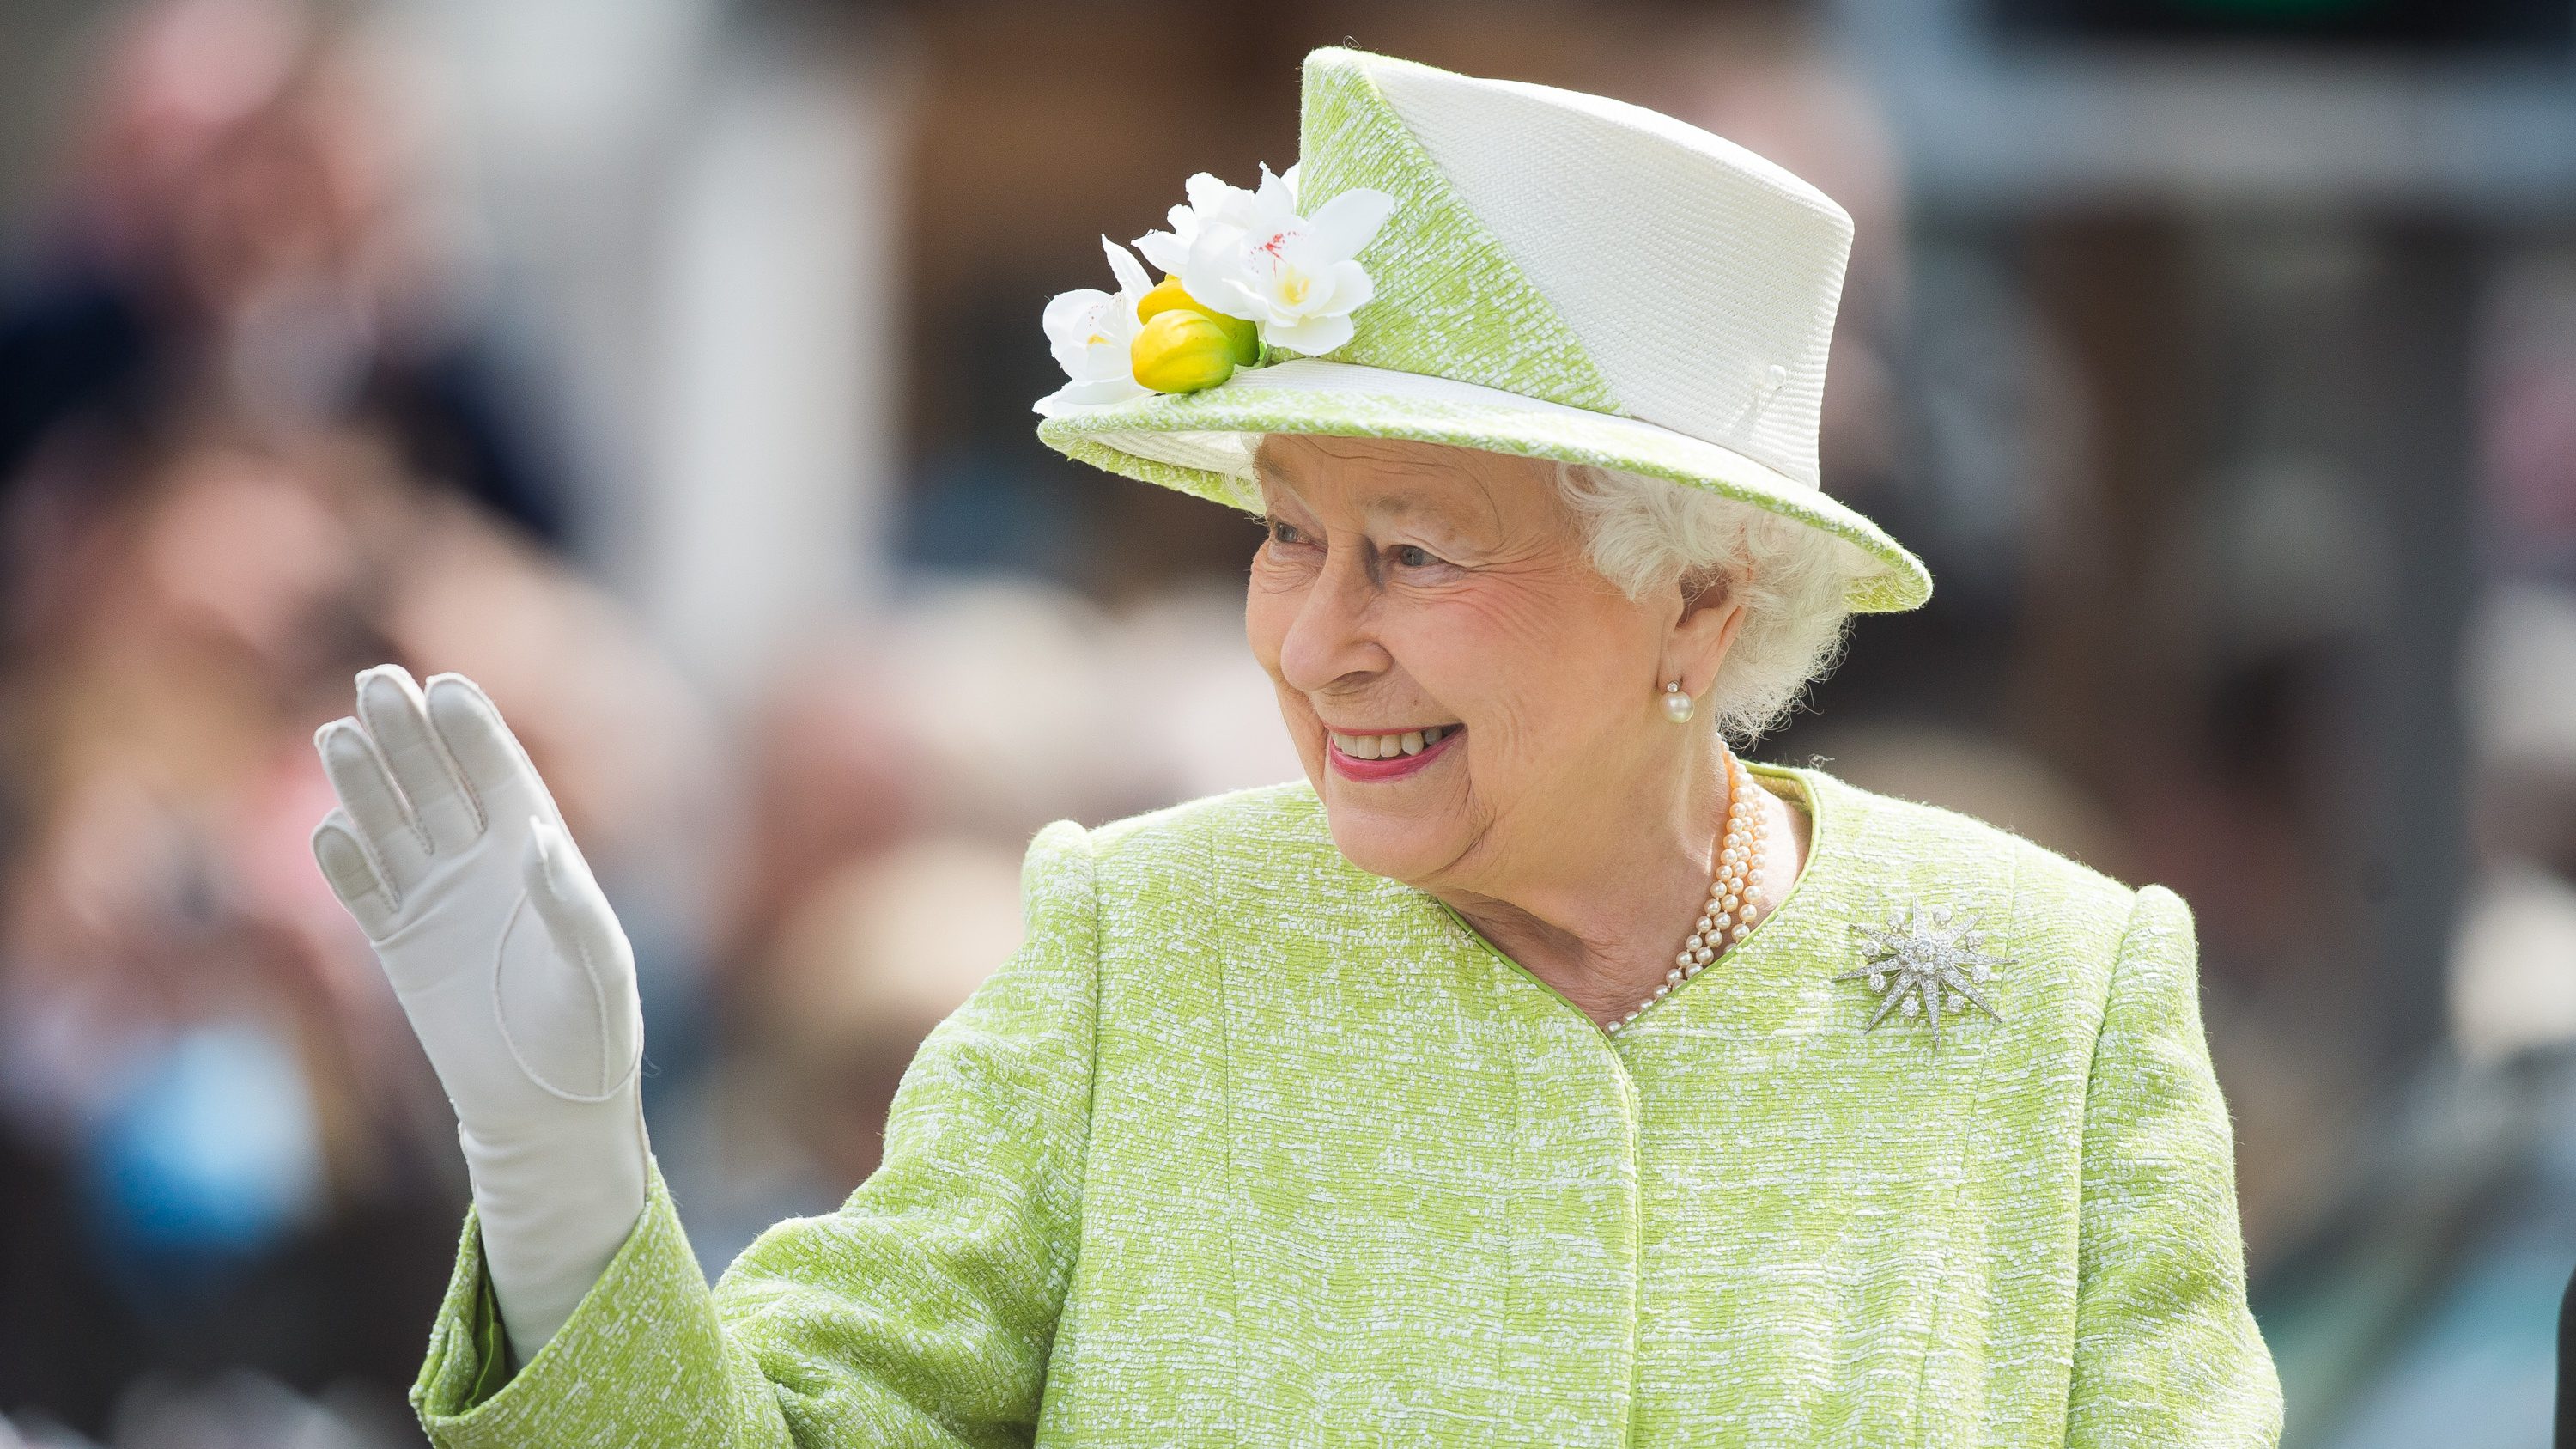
x,y
1248,1147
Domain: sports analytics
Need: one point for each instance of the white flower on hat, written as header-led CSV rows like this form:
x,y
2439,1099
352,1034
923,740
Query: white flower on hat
x,y
1092,333
1212,204
1251,255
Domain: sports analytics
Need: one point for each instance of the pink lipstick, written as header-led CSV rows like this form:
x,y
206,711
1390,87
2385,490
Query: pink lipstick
x,y
1351,767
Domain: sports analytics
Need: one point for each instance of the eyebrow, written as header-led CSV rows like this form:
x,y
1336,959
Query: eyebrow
x,y
1381,502
1398,505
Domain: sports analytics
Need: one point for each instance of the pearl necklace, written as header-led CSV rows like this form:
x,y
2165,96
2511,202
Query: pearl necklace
x,y
1731,893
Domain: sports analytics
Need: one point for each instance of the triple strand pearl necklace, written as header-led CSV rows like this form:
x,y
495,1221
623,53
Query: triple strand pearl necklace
x,y
1731,893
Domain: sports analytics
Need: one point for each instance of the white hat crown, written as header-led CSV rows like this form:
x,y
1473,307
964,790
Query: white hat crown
x,y
1700,279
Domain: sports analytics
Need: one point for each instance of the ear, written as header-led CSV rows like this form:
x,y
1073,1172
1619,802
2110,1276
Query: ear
x,y
1701,637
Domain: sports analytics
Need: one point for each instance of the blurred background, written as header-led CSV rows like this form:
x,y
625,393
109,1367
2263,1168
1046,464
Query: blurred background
x,y
665,366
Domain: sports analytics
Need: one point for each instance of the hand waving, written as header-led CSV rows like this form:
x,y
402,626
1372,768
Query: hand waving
x,y
516,977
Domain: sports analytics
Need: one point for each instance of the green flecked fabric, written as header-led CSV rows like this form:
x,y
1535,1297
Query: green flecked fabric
x,y
493,1363
1248,1147
1449,302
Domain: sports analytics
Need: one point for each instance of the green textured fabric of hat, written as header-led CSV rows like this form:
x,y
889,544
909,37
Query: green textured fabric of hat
x,y
1561,276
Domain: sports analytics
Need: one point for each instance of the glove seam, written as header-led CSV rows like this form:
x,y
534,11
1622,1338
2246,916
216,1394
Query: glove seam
x,y
394,897
367,735
599,1016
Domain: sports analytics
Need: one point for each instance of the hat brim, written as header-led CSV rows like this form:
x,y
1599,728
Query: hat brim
x,y
1202,443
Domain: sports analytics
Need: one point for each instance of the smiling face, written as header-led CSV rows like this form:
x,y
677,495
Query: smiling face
x,y
1473,701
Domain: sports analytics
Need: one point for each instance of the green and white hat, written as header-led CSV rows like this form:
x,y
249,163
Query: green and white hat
x,y
1486,264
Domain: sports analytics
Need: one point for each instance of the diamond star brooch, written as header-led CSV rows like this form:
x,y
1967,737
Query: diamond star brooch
x,y
1923,962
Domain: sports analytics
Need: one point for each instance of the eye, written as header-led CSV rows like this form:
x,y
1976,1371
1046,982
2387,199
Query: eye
x,y
1414,556
1282,531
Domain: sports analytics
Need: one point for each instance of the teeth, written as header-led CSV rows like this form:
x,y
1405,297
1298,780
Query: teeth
x,y
1387,747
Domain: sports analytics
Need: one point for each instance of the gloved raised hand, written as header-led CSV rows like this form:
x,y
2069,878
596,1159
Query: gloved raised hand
x,y
449,851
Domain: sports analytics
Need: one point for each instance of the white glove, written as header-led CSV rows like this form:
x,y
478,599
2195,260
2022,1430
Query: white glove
x,y
450,852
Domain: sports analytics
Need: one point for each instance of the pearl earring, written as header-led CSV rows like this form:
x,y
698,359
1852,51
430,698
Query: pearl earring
x,y
1677,705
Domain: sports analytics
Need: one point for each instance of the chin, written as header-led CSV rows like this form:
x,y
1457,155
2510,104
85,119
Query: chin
x,y
1385,839
1396,818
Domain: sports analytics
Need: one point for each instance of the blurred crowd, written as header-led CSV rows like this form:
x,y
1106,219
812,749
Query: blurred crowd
x,y
244,453
256,435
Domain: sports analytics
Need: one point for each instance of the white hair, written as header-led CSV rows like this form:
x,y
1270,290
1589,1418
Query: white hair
x,y
1647,534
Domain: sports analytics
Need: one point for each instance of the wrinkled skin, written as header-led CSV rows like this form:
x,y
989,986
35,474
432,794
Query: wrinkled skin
x,y
1407,585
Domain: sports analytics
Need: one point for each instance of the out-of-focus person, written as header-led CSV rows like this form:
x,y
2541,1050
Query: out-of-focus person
x,y
205,1100
238,233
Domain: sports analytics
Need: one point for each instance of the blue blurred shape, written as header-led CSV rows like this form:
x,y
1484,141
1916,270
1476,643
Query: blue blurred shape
x,y
213,1152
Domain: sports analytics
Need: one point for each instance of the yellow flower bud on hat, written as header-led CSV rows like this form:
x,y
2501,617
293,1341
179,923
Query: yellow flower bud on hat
x,y
1245,335
1182,350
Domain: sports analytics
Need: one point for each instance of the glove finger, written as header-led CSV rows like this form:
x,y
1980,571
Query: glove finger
x,y
489,756
367,793
353,877
398,721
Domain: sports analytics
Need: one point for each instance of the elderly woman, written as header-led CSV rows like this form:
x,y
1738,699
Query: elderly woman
x,y
1535,1071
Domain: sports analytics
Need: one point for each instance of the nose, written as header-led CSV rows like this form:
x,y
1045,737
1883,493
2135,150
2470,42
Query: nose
x,y
1332,640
